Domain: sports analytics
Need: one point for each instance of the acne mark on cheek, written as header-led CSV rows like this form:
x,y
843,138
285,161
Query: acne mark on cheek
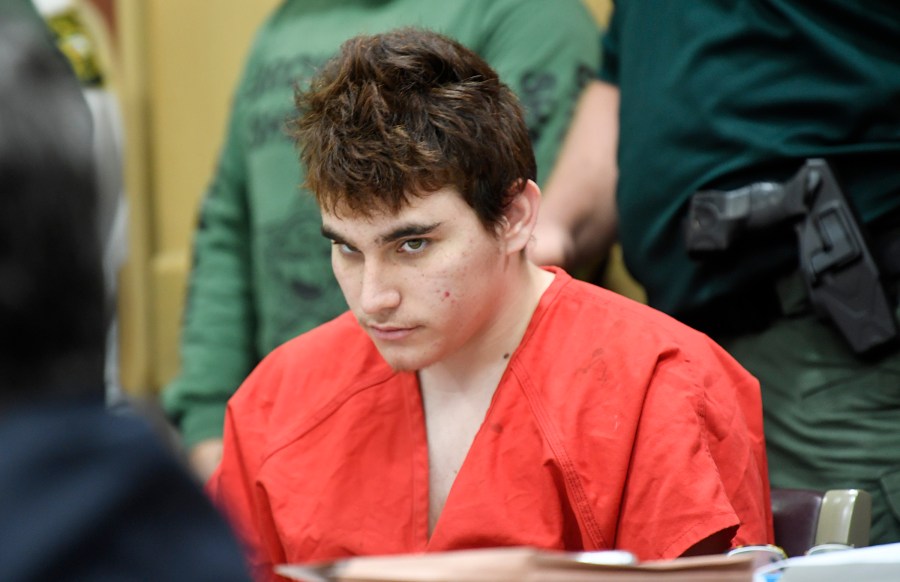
x,y
446,294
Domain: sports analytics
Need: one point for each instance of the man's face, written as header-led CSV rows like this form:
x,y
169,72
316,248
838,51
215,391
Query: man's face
x,y
424,283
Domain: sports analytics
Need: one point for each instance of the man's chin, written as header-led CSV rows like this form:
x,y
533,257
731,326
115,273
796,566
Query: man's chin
x,y
403,362
402,367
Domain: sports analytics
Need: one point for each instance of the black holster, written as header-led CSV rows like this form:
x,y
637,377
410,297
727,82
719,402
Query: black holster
x,y
842,277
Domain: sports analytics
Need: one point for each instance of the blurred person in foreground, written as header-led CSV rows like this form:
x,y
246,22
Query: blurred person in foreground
x,y
80,39
740,105
261,273
84,494
470,398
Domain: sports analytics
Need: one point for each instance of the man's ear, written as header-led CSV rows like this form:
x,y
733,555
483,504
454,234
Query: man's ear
x,y
520,218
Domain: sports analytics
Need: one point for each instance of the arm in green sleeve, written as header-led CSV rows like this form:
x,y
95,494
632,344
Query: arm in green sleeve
x,y
218,347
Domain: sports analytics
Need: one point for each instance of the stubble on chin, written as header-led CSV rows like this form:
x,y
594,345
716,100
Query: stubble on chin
x,y
403,362
399,364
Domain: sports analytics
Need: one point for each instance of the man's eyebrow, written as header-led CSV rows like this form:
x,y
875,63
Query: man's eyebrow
x,y
398,233
331,235
407,231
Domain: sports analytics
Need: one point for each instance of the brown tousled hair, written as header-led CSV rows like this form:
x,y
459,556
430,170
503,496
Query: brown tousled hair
x,y
406,113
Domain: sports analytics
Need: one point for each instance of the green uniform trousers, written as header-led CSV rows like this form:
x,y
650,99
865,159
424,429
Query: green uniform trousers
x,y
832,419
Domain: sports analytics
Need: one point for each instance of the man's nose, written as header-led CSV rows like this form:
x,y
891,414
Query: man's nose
x,y
379,289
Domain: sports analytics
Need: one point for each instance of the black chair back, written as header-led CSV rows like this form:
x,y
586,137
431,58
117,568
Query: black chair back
x,y
795,517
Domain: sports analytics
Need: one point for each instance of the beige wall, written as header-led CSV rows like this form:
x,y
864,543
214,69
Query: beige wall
x,y
600,9
179,62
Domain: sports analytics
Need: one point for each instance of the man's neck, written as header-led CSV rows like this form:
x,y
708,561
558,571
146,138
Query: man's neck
x,y
457,392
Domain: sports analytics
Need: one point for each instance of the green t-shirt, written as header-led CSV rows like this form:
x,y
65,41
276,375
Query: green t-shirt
x,y
262,270
716,95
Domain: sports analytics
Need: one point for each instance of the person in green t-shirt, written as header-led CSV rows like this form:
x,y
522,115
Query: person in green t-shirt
x,y
719,96
262,272
85,493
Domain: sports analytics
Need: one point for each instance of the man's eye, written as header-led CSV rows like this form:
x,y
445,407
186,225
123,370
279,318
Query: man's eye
x,y
414,245
344,248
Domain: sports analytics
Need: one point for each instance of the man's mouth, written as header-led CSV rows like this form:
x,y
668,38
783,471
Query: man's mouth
x,y
390,332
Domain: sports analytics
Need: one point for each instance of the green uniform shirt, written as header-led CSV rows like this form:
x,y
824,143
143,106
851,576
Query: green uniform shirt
x,y
722,94
262,271
719,94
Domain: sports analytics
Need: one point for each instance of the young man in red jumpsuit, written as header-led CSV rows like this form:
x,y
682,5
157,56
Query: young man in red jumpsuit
x,y
469,398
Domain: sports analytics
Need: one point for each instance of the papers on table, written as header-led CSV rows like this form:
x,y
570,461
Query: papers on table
x,y
523,565
871,564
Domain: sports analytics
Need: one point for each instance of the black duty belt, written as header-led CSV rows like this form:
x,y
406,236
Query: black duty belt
x,y
887,250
